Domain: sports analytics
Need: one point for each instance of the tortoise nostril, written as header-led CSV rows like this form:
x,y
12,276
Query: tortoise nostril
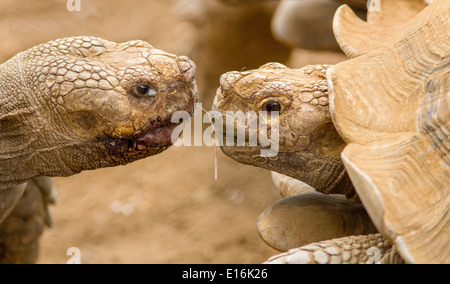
x,y
187,68
230,79
224,81
184,66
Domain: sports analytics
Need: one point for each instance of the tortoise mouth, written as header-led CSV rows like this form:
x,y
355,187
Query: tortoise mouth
x,y
245,140
156,136
153,138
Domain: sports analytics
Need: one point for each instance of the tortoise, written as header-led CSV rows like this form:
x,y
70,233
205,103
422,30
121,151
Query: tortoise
x,y
375,128
75,104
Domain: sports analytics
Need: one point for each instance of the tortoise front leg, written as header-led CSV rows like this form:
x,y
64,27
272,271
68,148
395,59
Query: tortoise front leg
x,y
369,249
21,230
8,200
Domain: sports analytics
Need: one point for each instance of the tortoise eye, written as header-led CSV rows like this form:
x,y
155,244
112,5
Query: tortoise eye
x,y
271,107
144,90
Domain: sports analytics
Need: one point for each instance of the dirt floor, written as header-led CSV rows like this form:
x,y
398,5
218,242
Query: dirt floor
x,y
164,209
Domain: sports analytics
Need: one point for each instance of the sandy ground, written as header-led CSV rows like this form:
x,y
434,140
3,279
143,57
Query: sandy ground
x,y
164,209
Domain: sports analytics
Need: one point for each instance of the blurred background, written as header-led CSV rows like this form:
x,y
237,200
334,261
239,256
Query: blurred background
x,y
169,208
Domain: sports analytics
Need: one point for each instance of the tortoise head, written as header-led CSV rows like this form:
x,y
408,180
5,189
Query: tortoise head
x,y
91,103
296,103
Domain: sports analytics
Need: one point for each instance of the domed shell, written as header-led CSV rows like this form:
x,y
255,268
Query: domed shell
x,y
386,20
391,104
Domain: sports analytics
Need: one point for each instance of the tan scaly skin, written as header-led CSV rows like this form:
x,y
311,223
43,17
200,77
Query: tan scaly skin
x,y
371,249
309,151
84,103
389,105
309,146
